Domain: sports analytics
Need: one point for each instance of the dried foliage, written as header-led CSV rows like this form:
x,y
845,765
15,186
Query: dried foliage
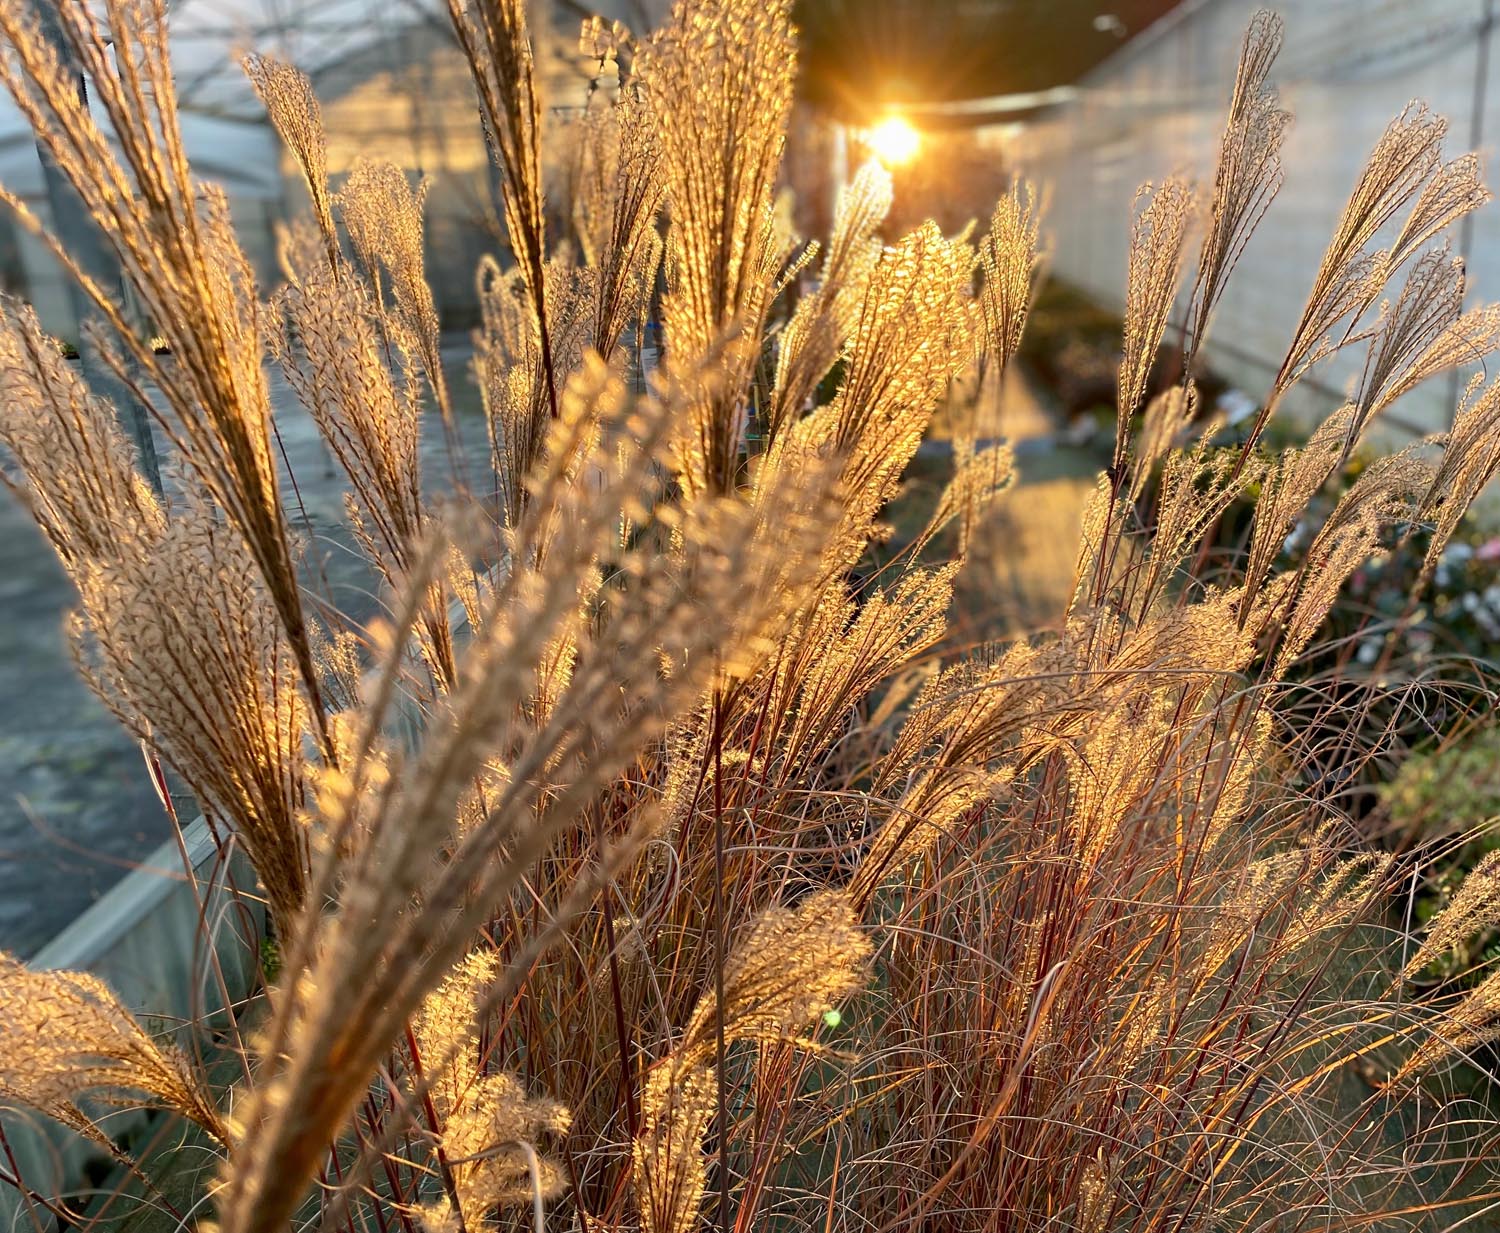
x,y
616,208
297,116
181,641
177,248
81,485
1010,256
655,858
496,42
1156,241
68,1042
1248,175
820,326
718,78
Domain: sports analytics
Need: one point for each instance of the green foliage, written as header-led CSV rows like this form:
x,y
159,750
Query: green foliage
x,y
270,958
1454,788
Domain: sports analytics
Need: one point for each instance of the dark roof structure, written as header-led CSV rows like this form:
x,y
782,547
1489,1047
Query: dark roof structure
x,y
859,55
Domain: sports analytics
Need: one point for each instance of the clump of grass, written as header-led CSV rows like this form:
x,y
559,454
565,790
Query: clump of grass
x,y
68,1040
638,867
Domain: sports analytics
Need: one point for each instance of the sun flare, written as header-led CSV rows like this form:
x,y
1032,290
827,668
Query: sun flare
x,y
894,141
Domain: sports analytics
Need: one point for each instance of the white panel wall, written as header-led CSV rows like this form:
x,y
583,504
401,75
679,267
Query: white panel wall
x,y
45,287
1156,107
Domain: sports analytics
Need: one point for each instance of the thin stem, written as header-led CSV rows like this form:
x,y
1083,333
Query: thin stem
x,y
719,955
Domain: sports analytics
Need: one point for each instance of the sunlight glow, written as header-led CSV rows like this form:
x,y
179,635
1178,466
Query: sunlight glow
x,y
894,141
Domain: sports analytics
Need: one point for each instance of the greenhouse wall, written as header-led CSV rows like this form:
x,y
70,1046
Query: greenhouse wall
x,y
1348,66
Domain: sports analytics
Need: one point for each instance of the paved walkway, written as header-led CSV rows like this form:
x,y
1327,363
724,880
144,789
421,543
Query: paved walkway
x,y
1020,572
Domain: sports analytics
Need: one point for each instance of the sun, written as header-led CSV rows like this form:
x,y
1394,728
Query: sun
x,y
894,141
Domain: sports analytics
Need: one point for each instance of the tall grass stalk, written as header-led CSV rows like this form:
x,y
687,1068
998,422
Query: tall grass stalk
x,y
656,859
